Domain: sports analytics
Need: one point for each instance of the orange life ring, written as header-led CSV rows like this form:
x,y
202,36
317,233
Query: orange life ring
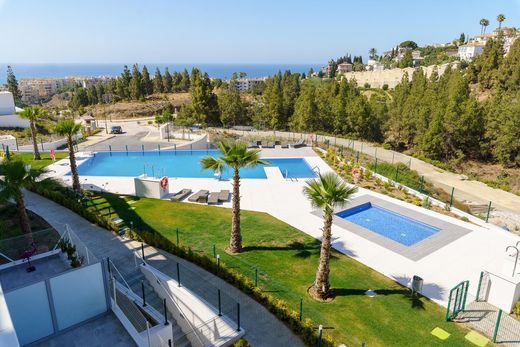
x,y
164,182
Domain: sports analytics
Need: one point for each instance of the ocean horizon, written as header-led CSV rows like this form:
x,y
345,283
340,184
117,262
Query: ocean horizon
x,y
223,71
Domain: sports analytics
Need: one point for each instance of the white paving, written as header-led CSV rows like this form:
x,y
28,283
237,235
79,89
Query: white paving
x,y
463,259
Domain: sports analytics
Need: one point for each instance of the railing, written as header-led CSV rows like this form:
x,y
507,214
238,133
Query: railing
x,y
172,299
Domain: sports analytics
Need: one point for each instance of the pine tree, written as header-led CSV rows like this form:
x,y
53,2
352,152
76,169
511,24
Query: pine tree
x,y
135,88
12,85
273,101
146,82
184,84
305,109
158,82
123,87
167,81
203,100
231,107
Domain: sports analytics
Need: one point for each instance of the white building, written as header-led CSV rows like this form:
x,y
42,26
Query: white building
x,y
244,84
8,116
470,51
344,68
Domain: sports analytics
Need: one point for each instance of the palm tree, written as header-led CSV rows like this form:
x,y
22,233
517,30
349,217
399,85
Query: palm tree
x,y
67,127
372,53
500,19
17,175
483,25
33,114
326,192
235,155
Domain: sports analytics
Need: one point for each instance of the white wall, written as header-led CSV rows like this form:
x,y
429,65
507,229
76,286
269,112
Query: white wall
x,y
13,121
503,292
6,103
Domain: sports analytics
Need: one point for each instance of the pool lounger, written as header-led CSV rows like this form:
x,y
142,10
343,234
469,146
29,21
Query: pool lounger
x,y
300,143
213,198
200,196
223,196
181,195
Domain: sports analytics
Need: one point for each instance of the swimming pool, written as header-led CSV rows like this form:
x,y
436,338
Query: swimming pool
x,y
182,164
392,225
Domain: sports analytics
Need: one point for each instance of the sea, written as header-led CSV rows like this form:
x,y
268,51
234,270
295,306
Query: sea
x,y
223,71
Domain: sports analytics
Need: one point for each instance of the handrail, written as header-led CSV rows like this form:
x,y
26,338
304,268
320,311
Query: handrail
x,y
172,299
120,275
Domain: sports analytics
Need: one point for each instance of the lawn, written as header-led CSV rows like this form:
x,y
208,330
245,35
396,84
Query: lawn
x,y
286,259
39,164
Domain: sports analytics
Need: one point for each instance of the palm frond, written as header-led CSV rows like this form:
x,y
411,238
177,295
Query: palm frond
x,y
328,192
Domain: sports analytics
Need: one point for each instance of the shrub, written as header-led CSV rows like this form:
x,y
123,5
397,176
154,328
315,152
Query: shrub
x,y
385,86
516,309
426,202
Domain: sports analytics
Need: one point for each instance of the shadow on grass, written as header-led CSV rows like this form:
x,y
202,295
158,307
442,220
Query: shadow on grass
x,y
416,300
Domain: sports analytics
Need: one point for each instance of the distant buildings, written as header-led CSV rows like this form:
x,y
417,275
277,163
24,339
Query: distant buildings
x,y
476,45
344,68
8,116
35,90
245,84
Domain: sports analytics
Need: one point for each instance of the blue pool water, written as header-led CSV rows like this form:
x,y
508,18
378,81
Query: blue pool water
x,y
389,224
184,164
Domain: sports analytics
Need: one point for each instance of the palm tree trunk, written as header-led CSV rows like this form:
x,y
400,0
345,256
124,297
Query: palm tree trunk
x,y
25,225
235,243
35,141
73,167
322,285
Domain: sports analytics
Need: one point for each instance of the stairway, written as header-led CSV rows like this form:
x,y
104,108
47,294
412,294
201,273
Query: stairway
x,y
134,280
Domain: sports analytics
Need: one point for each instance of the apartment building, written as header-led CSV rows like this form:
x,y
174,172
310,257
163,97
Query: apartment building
x,y
245,84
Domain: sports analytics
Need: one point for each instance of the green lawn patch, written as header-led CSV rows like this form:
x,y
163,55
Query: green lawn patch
x,y
39,164
286,261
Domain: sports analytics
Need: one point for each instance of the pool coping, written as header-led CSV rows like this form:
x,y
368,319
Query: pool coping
x,y
448,232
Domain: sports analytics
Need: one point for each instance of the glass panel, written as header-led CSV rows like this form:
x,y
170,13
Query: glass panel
x,y
78,295
30,312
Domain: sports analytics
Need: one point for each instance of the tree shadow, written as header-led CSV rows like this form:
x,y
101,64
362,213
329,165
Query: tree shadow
x,y
416,300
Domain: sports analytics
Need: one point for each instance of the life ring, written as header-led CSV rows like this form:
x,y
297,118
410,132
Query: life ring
x,y
164,182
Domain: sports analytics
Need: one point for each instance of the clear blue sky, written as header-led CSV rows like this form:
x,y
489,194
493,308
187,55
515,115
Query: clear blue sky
x,y
230,31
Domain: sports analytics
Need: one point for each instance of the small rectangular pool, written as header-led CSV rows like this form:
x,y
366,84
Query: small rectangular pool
x,y
392,225
182,164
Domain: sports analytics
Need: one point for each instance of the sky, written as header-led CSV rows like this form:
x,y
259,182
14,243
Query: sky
x,y
230,31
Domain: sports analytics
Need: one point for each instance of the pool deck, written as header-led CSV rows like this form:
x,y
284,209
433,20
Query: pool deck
x,y
442,264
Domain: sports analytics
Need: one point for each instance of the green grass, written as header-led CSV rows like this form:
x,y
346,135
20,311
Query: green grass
x,y
287,259
39,164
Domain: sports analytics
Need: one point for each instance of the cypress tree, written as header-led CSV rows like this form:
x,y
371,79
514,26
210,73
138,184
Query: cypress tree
x,y
146,82
167,81
12,85
136,85
158,82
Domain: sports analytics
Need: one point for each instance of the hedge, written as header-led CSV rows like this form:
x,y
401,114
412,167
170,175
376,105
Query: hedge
x,y
306,329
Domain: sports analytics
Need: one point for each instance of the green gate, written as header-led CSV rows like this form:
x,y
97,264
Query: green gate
x,y
457,300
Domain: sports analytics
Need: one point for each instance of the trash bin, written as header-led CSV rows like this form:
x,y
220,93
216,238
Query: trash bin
x,y
417,284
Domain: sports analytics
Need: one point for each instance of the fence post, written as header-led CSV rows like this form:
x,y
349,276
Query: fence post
x,y
421,185
479,285
357,157
142,251
256,277
375,154
497,325
165,313
178,275
301,309
451,197
488,211
144,295
126,149
410,164
142,149
214,251
238,316
396,173
177,233
159,148
110,149
393,155
375,166
16,141
108,265
218,262
219,304
361,150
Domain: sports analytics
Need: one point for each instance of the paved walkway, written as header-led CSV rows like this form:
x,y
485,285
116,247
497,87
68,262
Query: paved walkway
x,y
469,190
262,328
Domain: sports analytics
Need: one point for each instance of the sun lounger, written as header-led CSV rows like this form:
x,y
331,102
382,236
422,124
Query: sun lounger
x,y
299,144
200,196
213,198
259,143
223,196
181,195
116,221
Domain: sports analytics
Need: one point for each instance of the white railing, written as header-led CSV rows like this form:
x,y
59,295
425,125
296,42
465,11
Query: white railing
x,y
171,299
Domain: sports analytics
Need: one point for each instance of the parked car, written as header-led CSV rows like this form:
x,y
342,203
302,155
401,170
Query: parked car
x,y
116,129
